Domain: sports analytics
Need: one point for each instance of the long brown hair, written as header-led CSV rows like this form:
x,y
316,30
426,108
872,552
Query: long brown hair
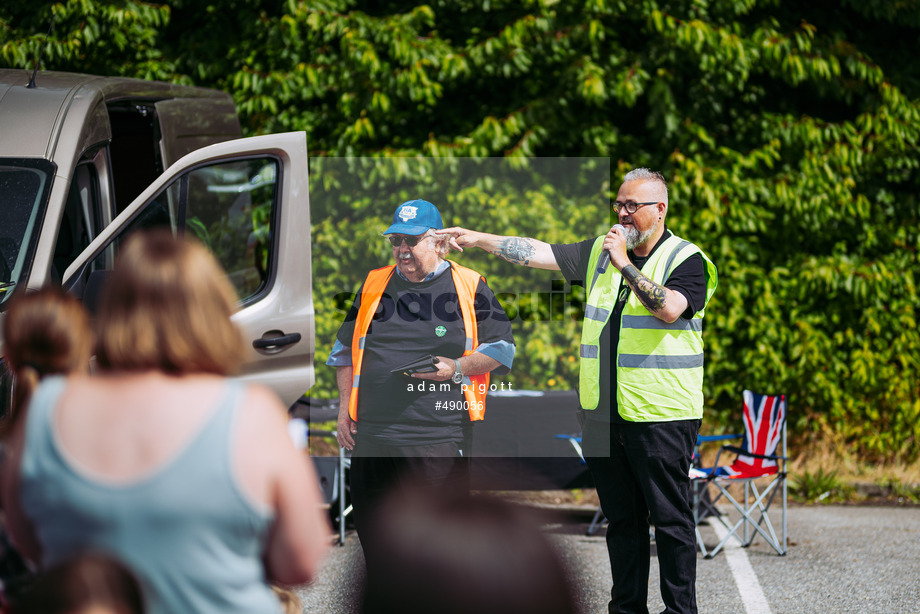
x,y
167,306
45,332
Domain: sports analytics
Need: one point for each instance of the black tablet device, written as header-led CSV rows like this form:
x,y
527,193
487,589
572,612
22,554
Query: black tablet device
x,y
425,364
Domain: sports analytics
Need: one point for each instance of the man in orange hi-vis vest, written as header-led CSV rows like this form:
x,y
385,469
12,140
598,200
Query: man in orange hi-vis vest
x,y
415,428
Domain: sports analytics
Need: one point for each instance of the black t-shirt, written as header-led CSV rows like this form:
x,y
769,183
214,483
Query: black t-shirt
x,y
688,278
412,320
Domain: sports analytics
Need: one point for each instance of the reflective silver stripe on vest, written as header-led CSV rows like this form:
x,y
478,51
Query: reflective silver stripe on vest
x,y
640,361
588,351
651,322
597,313
469,344
354,384
361,343
667,265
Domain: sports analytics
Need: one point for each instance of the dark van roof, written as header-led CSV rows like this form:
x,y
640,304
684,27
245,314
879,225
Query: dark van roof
x,y
72,107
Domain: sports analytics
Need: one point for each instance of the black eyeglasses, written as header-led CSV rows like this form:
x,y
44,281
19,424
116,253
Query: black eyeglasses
x,y
411,241
630,206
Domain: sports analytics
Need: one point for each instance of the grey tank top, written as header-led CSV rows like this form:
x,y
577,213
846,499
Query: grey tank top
x,y
187,530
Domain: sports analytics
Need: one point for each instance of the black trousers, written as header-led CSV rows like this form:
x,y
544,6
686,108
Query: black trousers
x,y
640,471
377,470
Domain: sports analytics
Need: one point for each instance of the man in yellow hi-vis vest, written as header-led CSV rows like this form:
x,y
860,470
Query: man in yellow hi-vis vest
x,y
640,380
415,428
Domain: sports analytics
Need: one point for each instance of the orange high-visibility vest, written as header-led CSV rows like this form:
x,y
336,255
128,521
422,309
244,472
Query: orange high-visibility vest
x,y
465,281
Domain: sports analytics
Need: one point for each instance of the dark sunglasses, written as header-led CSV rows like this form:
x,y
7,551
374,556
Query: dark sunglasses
x,y
411,241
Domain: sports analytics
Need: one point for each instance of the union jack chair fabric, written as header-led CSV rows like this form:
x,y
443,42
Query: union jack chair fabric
x,y
758,467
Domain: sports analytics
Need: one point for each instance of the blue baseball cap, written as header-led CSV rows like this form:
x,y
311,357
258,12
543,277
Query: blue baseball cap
x,y
415,217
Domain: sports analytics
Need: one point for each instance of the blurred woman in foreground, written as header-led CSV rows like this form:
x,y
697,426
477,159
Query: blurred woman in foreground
x,y
160,460
45,333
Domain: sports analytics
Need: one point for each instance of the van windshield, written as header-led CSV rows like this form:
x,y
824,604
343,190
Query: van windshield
x,y
24,188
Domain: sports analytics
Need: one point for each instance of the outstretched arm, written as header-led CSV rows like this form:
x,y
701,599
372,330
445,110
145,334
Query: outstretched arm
x,y
516,250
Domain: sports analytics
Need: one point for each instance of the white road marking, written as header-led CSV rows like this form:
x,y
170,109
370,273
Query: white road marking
x,y
751,594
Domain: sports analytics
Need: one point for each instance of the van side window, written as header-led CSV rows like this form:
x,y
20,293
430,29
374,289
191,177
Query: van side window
x,y
25,185
230,208
80,219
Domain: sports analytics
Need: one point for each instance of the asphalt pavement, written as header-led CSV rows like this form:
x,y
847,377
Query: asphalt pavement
x,y
845,559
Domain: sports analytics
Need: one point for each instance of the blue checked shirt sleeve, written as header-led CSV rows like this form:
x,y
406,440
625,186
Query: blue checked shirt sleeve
x,y
340,355
502,351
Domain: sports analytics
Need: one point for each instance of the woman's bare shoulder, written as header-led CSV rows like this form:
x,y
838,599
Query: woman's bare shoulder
x,y
262,415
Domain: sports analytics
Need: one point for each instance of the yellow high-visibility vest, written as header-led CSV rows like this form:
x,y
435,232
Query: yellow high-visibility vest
x,y
659,366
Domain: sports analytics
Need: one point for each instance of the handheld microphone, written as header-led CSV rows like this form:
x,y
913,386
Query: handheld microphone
x,y
604,261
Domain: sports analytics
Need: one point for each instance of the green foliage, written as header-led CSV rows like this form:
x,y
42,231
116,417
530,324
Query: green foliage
x,y
819,487
788,130
111,38
909,493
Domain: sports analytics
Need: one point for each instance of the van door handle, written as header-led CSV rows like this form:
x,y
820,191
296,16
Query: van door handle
x,y
272,343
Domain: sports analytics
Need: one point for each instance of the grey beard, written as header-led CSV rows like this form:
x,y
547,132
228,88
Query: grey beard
x,y
634,238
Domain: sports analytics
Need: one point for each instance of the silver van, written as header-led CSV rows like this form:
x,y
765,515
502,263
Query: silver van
x,y
86,160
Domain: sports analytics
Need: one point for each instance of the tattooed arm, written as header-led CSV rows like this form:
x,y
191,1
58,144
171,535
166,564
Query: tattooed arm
x,y
663,303
517,250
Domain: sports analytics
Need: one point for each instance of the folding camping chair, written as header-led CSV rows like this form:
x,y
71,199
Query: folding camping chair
x,y
764,418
